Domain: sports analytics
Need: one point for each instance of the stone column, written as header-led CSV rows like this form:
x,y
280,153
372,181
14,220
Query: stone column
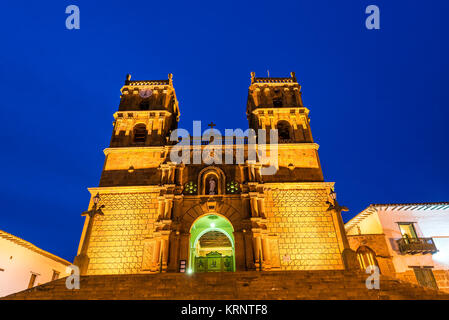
x,y
184,247
256,97
266,263
272,125
156,255
164,249
297,97
258,254
168,207
254,204
249,250
173,172
162,169
180,173
166,98
258,175
239,255
263,123
242,173
261,206
160,207
160,125
267,97
294,125
173,263
287,97
251,172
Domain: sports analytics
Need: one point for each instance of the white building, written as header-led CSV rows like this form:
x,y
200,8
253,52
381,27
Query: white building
x,y
407,241
23,265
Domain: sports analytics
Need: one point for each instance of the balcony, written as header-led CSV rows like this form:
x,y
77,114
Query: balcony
x,y
416,245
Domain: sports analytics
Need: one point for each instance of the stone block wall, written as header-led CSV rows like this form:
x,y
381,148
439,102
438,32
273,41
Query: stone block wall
x,y
306,233
442,279
116,245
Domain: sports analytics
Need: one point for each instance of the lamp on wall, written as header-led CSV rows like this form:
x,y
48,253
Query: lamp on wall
x,y
96,198
82,260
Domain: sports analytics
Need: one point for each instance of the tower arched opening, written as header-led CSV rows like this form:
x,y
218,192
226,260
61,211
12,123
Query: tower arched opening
x,y
284,130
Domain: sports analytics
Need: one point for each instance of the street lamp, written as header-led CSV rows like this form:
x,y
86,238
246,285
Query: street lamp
x,y
82,260
96,198
335,205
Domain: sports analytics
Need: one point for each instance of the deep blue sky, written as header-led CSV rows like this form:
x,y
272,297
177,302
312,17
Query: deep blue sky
x,y
378,100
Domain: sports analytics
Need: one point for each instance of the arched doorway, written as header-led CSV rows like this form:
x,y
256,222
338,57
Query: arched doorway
x,y
212,246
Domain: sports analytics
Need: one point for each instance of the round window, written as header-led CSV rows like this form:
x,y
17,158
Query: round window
x,y
190,188
232,187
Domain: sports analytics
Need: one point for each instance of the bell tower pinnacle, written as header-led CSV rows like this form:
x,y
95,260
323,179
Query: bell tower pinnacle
x,y
147,114
276,103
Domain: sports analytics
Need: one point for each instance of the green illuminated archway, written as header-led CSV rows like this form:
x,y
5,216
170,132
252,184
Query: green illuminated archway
x,y
211,245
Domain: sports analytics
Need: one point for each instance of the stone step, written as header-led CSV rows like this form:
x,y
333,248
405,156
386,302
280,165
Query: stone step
x,y
229,286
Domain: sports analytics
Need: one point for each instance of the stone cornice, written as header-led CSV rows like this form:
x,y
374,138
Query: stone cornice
x,y
301,185
271,80
148,82
121,189
140,114
280,146
134,149
264,110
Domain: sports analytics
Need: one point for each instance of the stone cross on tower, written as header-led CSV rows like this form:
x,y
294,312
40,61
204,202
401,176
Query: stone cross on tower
x,y
212,125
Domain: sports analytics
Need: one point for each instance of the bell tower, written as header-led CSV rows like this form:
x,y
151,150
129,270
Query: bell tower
x,y
147,114
276,103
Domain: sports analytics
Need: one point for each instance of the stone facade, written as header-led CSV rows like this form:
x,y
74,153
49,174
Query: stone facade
x,y
150,203
305,231
117,242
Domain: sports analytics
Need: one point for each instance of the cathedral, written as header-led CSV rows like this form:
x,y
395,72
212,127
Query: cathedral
x,y
151,214
240,216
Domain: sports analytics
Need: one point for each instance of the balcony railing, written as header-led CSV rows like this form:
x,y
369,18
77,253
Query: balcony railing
x,y
416,245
